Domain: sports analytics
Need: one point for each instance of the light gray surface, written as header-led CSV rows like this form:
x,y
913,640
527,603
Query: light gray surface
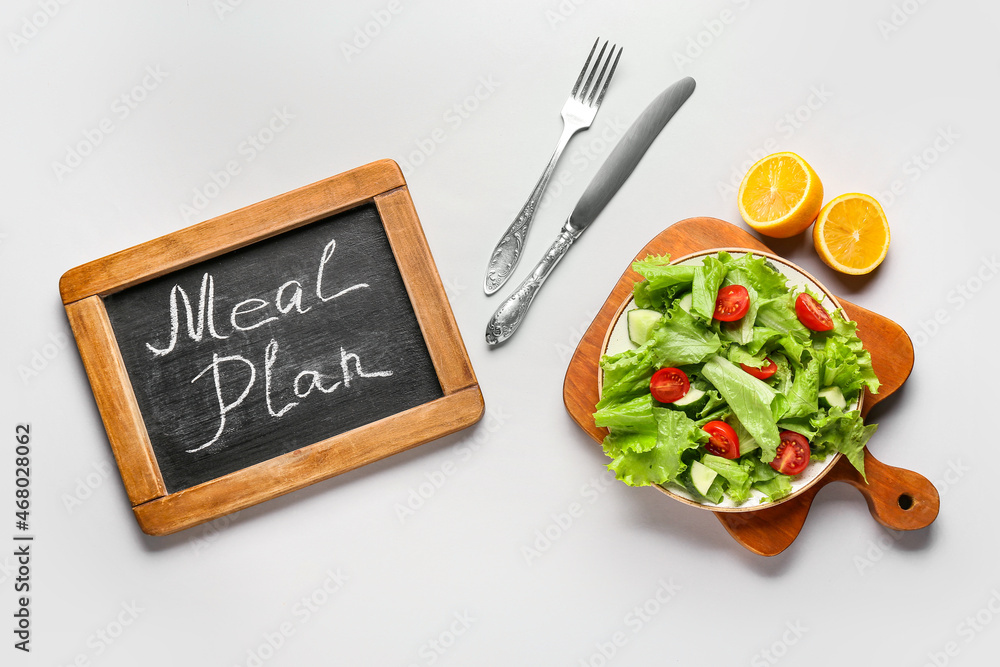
x,y
872,94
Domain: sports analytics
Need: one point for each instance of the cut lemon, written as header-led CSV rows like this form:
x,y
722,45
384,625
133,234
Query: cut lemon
x,y
780,195
852,234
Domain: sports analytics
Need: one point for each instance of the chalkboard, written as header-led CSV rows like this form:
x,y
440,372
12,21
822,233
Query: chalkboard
x,y
270,348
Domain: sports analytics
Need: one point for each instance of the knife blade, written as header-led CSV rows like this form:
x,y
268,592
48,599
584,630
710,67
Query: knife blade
x,y
609,178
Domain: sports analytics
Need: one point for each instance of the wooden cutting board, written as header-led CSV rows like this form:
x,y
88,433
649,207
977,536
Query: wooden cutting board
x,y
898,499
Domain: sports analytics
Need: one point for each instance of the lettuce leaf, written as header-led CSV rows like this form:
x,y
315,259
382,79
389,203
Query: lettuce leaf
x,y
660,273
782,380
740,355
770,482
803,395
759,274
626,374
846,433
847,364
762,339
751,401
681,340
705,287
747,441
662,462
663,281
778,314
621,443
633,415
736,474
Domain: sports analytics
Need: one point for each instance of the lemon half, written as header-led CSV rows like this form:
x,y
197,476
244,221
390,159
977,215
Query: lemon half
x,y
780,195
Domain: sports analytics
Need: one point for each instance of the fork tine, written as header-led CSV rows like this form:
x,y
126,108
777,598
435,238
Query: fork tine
x,y
588,98
608,80
584,70
590,79
600,77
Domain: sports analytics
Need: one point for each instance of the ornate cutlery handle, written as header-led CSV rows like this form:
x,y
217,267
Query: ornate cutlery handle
x,y
511,312
508,251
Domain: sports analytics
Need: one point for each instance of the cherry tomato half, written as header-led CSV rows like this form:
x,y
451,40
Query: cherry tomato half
x,y
732,303
669,384
793,454
812,314
722,440
764,372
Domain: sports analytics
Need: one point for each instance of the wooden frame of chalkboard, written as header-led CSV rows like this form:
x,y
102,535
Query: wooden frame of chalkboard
x,y
161,510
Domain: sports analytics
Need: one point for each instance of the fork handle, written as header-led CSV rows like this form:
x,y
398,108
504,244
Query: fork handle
x,y
511,312
508,251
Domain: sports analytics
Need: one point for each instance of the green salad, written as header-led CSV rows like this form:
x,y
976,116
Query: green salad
x,y
738,382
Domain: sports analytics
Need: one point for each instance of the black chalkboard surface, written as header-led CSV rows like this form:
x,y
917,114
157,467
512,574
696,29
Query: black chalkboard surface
x,y
272,347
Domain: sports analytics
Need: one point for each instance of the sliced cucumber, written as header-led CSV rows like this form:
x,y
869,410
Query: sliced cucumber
x,y
685,302
640,322
689,398
833,397
702,477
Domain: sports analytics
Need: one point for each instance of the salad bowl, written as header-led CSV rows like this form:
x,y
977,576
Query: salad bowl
x,y
897,498
617,340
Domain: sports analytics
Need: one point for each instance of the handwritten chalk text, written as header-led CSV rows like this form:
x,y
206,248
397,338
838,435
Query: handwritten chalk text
x,y
227,373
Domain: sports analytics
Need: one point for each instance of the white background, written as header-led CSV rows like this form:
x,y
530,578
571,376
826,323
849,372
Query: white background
x,y
884,92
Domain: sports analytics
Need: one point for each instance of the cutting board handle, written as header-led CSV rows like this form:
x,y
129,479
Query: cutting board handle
x,y
899,499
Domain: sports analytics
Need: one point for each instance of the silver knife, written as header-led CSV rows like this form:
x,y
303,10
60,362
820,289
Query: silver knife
x,y
609,178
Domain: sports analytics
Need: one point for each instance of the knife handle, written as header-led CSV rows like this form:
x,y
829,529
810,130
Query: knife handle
x,y
511,312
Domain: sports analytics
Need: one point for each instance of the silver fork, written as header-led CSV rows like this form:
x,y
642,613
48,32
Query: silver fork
x,y
577,114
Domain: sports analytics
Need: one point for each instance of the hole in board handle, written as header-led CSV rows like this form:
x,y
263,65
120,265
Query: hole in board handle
x,y
905,501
